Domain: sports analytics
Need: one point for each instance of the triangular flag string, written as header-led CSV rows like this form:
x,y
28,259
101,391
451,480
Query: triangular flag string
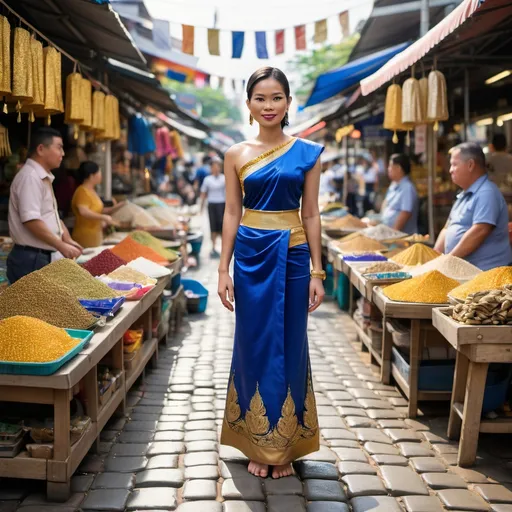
x,y
261,45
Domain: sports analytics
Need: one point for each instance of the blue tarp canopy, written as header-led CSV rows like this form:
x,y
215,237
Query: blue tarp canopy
x,y
338,80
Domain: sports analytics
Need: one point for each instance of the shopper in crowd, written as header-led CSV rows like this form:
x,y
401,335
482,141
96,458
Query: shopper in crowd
x,y
91,216
34,223
477,228
500,162
202,172
272,225
401,205
213,190
327,185
368,177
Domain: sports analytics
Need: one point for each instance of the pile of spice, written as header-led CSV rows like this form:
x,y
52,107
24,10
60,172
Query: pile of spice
x,y
382,232
28,340
451,266
430,288
486,308
130,275
490,280
348,222
397,250
149,268
417,254
417,238
104,263
38,296
385,266
360,244
164,215
83,286
130,250
134,215
144,238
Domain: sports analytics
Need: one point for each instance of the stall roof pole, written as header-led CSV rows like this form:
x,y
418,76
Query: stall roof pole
x,y
424,17
466,104
345,178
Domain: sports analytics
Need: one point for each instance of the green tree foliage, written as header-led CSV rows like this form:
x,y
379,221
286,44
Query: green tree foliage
x,y
309,66
215,106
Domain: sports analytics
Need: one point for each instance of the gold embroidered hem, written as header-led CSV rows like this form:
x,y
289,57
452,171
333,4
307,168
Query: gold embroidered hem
x,y
252,434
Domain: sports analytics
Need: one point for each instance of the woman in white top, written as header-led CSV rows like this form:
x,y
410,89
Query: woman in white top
x,y
213,189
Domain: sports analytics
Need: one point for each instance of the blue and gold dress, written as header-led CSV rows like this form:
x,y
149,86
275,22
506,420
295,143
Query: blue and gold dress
x,y
270,408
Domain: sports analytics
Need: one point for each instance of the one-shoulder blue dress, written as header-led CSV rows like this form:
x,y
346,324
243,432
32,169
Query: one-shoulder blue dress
x,y
270,408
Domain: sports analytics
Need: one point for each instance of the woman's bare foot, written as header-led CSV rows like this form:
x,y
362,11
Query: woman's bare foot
x,y
281,471
258,469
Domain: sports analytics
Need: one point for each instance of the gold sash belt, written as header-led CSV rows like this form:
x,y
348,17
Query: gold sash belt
x,y
283,220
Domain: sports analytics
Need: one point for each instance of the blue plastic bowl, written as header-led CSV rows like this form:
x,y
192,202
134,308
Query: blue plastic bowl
x,y
196,304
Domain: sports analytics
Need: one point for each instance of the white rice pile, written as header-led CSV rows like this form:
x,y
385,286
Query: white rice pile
x,y
382,232
136,216
150,268
165,216
451,266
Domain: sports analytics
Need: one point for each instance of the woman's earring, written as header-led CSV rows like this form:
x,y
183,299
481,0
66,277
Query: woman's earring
x,y
251,119
285,120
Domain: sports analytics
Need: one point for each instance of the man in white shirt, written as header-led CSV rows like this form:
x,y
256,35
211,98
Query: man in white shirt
x,y
213,189
34,224
500,162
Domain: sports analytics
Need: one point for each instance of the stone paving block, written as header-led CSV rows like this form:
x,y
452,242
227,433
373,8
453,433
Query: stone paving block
x,y
330,422
434,438
168,436
289,485
285,504
201,415
351,454
439,481
461,499
373,435
337,433
501,508
422,504
163,426
39,499
327,506
228,453
248,488
375,504
114,481
338,395
446,448
79,483
203,506
400,481
202,473
200,490
165,448
129,450
381,448
140,426
125,464
351,411
383,414
233,470
324,490
398,435
160,478
362,393
415,450
427,465
359,421
417,425
322,455
244,506
201,459
342,443
200,435
136,437
368,403
199,425
392,424
307,469
390,460
163,462
470,475
92,464
201,446
494,493
106,500
326,410
356,468
150,498
364,485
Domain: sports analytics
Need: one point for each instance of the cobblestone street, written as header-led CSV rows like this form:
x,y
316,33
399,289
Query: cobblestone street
x,y
165,455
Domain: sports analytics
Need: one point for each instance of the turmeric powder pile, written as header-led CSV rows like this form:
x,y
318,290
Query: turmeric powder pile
x,y
417,254
490,280
430,288
360,244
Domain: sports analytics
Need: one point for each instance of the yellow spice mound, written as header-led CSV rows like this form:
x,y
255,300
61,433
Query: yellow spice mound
x,y
430,288
347,222
361,243
28,340
417,254
489,280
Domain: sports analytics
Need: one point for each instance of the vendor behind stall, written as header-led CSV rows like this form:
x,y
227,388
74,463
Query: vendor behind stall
x,y
34,224
87,206
477,228
401,205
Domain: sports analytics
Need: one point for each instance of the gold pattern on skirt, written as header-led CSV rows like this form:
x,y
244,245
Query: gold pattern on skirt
x,y
256,426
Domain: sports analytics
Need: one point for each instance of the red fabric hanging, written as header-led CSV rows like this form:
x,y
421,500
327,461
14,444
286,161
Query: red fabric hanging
x,y
279,42
300,37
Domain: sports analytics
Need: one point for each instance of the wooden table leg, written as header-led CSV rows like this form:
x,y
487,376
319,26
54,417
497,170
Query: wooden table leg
x,y
387,345
414,361
475,390
351,307
459,388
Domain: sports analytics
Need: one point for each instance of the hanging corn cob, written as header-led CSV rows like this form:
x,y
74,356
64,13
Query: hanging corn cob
x,y
53,102
37,63
423,82
74,112
393,111
98,112
5,58
437,98
86,93
411,102
22,77
5,146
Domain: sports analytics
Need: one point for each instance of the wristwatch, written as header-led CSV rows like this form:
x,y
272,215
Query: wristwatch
x,y
320,274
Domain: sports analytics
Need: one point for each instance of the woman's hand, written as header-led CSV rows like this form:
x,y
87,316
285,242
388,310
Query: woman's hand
x,y
316,293
226,290
109,221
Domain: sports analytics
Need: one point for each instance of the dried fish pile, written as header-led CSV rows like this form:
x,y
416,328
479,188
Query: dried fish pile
x,y
486,308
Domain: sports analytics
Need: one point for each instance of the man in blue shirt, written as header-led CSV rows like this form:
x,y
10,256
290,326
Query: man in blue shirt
x,y
401,205
202,172
477,228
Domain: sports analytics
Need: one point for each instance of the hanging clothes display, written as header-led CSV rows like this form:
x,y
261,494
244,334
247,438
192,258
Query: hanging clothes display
x,y
140,137
163,142
176,143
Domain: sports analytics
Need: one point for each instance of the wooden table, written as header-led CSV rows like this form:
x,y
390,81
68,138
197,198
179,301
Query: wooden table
x,y
420,316
476,346
57,390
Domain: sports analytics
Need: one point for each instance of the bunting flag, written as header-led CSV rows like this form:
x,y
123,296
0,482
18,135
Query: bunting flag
x,y
321,31
214,41
188,40
233,84
238,44
221,82
300,37
261,45
344,23
279,42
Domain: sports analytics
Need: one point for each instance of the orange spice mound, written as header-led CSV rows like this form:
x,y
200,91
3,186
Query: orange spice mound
x,y
130,250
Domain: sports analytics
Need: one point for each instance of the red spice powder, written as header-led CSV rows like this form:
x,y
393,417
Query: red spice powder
x,y
104,263
130,250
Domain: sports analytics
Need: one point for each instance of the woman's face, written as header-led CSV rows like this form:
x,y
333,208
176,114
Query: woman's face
x,y
268,103
96,178
395,172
